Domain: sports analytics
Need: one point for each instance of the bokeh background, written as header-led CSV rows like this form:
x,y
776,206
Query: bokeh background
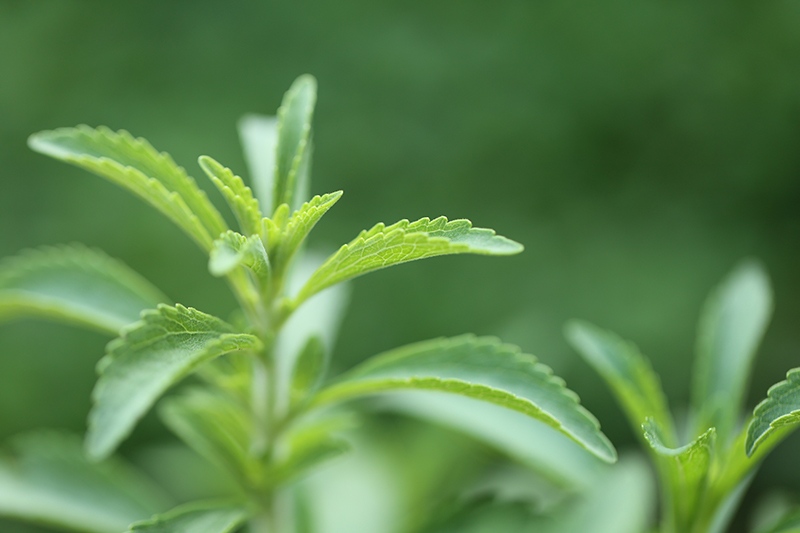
x,y
637,149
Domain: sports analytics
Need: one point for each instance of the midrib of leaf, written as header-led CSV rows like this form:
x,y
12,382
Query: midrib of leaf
x,y
779,410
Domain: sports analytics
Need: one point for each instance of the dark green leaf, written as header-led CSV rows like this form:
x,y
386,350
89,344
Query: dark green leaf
x,y
778,413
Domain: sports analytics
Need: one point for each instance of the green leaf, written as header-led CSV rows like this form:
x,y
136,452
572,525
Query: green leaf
x,y
309,370
731,327
197,517
384,246
788,524
306,457
628,374
234,249
480,368
300,225
217,428
236,193
778,414
74,284
259,136
686,470
47,480
293,151
135,165
151,356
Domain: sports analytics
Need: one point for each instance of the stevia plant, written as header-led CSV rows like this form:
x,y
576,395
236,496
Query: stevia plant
x,y
704,476
260,404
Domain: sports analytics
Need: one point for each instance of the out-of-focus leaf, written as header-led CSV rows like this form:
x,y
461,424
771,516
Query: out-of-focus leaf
x,y
384,246
480,368
731,327
198,517
788,524
47,480
135,165
236,193
686,469
259,136
74,284
309,370
627,372
293,151
151,356
779,411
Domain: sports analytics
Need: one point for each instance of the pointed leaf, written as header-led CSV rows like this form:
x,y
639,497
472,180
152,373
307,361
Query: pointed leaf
x,y
198,517
236,193
233,249
686,469
309,370
135,165
259,136
151,356
294,133
48,481
384,246
778,413
74,284
731,327
627,372
480,368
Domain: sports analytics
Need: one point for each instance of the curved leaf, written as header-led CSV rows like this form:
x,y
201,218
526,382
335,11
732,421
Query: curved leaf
x,y
480,368
731,327
151,356
197,517
779,411
47,480
384,246
74,284
135,165
293,150
628,374
237,194
234,249
259,136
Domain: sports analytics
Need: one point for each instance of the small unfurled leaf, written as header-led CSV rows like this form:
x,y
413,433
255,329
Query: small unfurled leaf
x,y
47,480
234,249
74,284
384,246
293,152
480,368
197,517
237,194
686,469
779,412
151,356
309,370
731,327
259,136
217,428
135,165
628,374
300,225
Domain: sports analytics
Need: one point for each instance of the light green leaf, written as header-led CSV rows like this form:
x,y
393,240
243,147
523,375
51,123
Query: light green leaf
x,y
259,136
74,284
480,368
778,413
306,457
234,249
198,517
686,470
47,480
309,370
384,246
217,428
293,153
135,165
628,374
236,193
151,356
731,327
299,226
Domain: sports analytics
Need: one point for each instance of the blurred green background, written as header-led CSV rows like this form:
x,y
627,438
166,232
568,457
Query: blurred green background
x,y
637,149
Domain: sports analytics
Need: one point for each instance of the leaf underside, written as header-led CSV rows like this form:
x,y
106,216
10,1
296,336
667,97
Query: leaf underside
x,y
779,411
135,165
151,356
74,284
384,246
480,368
198,517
